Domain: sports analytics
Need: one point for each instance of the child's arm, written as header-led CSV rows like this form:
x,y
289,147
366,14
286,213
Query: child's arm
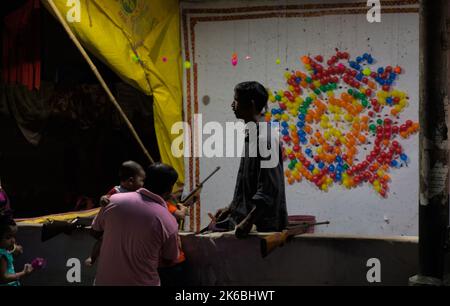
x,y
181,212
6,278
104,200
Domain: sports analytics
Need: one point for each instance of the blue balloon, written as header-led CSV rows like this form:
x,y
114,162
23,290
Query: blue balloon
x,y
338,158
394,163
380,70
370,60
359,77
404,157
311,168
285,132
300,124
274,111
301,117
303,140
366,56
284,124
359,59
339,169
331,168
308,151
321,165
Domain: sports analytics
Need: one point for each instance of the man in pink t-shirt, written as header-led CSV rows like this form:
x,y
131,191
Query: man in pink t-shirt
x,y
138,233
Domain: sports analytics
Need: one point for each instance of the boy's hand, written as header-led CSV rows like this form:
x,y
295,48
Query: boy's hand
x,y
183,209
27,269
88,262
104,201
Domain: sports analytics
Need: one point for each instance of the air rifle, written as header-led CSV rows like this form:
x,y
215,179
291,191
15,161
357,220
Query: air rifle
x,y
186,201
52,228
271,242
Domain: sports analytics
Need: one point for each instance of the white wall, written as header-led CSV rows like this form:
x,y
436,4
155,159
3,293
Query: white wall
x,y
394,41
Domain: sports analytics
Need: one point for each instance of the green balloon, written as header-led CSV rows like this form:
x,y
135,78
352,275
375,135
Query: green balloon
x,y
379,121
372,127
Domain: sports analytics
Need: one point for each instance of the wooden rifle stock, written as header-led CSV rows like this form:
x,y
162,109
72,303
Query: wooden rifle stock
x,y
271,242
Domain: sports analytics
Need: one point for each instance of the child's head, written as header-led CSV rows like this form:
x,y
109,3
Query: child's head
x,y
160,179
8,231
132,176
250,99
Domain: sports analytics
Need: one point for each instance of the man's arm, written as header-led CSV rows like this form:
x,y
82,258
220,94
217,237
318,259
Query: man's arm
x,y
268,187
170,249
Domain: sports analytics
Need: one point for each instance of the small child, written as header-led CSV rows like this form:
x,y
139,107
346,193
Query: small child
x,y
8,231
132,177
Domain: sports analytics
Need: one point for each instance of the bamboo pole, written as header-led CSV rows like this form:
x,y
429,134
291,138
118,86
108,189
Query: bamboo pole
x,y
99,77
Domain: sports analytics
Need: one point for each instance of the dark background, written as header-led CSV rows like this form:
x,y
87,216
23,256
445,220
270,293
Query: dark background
x,y
76,157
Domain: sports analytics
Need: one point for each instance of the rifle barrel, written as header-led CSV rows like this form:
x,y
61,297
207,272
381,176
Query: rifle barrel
x,y
199,186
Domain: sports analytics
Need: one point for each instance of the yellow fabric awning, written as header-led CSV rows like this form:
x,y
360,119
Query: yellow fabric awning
x,y
139,40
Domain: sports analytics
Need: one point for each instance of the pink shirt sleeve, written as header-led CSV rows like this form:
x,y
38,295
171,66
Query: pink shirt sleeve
x,y
170,248
99,220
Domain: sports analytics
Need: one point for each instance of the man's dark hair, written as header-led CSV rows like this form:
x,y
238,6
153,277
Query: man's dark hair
x,y
160,178
252,91
129,169
6,221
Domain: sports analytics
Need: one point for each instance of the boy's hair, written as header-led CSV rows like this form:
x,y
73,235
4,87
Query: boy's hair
x,y
160,178
252,91
6,221
129,169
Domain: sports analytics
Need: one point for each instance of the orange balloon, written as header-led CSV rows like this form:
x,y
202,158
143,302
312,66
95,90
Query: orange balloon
x,y
307,129
362,139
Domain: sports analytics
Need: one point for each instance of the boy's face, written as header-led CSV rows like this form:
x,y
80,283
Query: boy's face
x,y
8,240
136,182
242,110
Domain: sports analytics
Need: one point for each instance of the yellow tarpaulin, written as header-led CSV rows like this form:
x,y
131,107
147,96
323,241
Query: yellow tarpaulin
x,y
60,217
140,41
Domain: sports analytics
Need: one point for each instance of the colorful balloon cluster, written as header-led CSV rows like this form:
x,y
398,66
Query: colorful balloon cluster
x,y
339,122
